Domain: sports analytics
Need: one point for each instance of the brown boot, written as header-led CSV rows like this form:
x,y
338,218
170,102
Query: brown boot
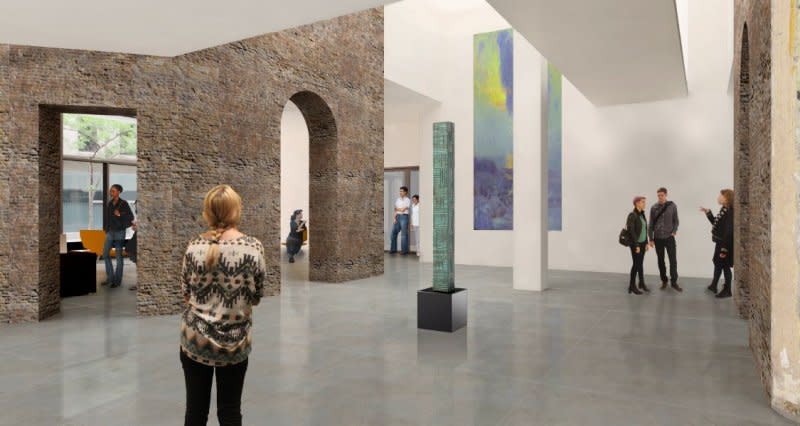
x,y
677,287
663,285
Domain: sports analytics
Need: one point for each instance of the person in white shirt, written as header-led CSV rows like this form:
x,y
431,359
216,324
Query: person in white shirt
x,y
415,223
401,211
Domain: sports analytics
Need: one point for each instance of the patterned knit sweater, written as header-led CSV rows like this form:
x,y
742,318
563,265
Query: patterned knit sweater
x,y
215,327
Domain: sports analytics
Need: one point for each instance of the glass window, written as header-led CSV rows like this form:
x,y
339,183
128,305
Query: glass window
x,y
99,137
79,180
90,143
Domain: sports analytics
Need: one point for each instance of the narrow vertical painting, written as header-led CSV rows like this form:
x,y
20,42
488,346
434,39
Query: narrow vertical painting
x,y
493,66
554,189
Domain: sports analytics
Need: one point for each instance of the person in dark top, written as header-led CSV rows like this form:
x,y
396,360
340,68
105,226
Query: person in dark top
x,y
637,227
663,229
118,218
722,235
294,242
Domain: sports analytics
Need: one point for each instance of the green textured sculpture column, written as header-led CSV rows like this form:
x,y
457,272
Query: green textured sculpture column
x,y
443,306
443,203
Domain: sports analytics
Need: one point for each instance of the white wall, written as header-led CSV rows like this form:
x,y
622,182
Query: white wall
x,y
614,153
412,42
294,166
402,134
495,248
530,169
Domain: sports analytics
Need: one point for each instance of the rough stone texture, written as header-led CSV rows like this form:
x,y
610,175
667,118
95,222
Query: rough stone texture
x,y
8,299
785,329
752,175
204,118
767,172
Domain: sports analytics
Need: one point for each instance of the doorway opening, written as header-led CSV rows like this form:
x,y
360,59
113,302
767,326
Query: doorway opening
x,y
393,179
295,157
83,152
309,165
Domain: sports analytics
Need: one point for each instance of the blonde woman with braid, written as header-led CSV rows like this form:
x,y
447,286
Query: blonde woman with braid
x,y
223,278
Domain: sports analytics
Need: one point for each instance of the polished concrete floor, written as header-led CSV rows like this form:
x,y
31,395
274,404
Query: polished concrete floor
x,y
582,353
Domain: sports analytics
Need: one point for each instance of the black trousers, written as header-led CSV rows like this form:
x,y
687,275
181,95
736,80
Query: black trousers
x,y
671,248
293,246
718,270
638,262
722,265
198,377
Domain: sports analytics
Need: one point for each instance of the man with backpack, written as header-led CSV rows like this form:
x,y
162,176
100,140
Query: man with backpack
x,y
663,228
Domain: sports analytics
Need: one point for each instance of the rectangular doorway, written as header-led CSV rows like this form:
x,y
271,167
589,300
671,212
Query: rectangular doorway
x,y
97,151
393,179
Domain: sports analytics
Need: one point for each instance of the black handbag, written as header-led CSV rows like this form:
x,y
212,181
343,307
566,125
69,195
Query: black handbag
x,y
625,237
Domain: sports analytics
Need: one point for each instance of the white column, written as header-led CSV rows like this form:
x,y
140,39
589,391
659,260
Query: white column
x,y
530,168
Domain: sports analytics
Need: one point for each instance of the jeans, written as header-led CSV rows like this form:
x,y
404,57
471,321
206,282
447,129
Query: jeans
x,y
230,381
400,226
638,262
117,240
671,247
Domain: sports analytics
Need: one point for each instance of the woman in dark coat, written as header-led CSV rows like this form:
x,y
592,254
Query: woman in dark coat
x,y
637,228
294,242
722,235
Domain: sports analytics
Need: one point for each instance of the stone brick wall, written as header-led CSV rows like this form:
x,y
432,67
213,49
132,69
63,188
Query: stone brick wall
x,y
9,299
204,118
785,214
752,176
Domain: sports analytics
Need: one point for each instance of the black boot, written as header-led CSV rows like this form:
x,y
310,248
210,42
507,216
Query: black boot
x,y
726,291
713,288
632,289
643,287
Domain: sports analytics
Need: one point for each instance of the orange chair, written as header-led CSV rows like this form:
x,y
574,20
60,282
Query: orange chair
x,y
94,240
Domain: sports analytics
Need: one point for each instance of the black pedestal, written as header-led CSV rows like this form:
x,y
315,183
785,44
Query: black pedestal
x,y
78,273
441,311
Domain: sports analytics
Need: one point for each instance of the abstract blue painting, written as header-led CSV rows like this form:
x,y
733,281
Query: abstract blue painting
x,y
554,189
493,68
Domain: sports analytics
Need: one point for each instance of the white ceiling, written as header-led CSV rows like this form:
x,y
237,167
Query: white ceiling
x,y
162,28
395,95
613,51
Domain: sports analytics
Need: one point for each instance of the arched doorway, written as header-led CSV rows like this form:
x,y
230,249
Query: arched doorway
x,y
320,186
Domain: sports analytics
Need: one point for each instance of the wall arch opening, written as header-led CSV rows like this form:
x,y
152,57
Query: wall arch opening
x,y
314,151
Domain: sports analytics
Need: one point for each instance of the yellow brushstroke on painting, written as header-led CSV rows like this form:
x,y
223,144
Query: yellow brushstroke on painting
x,y
492,88
509,161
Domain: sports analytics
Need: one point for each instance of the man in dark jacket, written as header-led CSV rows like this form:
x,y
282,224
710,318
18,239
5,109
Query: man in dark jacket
x,y
118,218
662,231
